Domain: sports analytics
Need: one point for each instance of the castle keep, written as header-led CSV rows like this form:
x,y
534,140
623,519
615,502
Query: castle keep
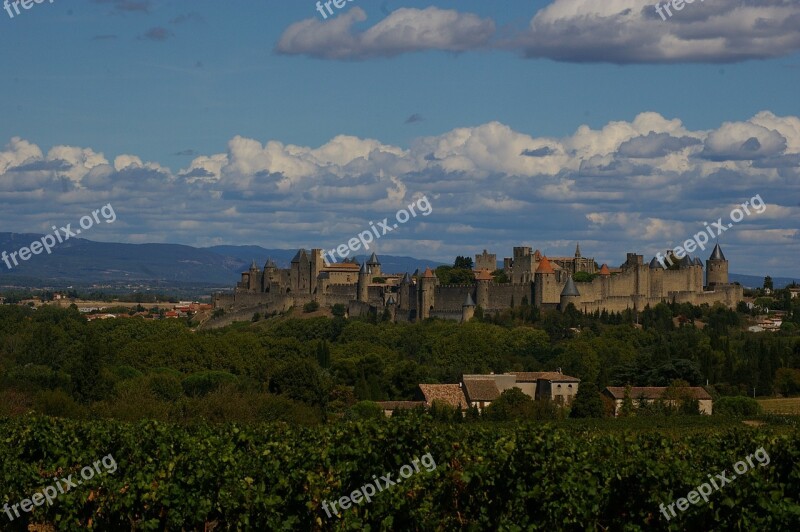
x,y
546,283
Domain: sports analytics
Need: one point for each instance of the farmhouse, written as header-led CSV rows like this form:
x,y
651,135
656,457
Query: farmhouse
x,y
651,394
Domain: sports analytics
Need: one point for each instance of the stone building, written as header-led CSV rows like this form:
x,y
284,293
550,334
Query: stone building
x,y
535,279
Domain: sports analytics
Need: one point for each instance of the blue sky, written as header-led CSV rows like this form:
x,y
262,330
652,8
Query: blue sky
x,y
261,123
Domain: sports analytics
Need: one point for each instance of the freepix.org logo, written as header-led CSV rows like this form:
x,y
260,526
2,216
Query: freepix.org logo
x,y
59,236
8,5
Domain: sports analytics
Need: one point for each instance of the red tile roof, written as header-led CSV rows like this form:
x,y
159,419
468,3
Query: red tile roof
x,y
604,270
544,266
428,273
484,275
451,394
533,376
481,389
655,392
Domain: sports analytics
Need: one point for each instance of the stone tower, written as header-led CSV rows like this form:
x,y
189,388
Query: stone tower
x,y
391,306
374,265
467,309
253,279
404,293
545,287
483,279
364,276
716,268
569,295
427,294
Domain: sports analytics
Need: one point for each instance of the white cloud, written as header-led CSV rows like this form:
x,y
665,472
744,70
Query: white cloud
x,y
404,30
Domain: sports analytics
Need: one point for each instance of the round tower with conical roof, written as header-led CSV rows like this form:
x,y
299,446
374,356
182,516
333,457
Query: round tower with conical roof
x,y
363,283
570,294
467,309
483,280
545,287
716,268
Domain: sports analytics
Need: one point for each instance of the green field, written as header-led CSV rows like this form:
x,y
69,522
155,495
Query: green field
x,y
781,406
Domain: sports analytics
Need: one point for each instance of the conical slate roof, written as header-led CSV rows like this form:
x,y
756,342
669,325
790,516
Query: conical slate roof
x,y
253,266
406,279
373,259
365,269
469,302
654,264
686,261
717,254
698,262
570,289
391,301
270,264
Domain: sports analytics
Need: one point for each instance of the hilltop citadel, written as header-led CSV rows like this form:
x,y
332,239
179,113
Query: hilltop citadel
x,y
546,283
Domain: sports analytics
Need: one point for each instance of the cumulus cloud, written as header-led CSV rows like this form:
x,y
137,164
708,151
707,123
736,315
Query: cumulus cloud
x,y
404,30
629,31
641,185
581,31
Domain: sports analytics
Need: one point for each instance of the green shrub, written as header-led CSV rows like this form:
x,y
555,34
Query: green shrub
x,y
205,382
736,406
311,306
364,410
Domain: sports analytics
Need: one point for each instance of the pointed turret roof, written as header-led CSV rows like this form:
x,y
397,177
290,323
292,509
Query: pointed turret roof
x,y
604,270
270,264
570,289
578,249
300,256
406,279
716,254
698,262
416,273
544,266
253,266
484,275
373,259
686,262
428,273
391,301
364,269
654,264
469,302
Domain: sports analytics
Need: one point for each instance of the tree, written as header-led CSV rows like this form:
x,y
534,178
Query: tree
x,y
512,404
768,283
302,381
588,402
464,263
323,354
627,409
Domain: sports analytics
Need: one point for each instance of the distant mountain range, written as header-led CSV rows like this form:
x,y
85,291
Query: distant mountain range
x,y
84,262
81,261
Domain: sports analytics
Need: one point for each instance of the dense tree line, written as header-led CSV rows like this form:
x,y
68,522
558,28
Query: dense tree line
x,y
54,361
